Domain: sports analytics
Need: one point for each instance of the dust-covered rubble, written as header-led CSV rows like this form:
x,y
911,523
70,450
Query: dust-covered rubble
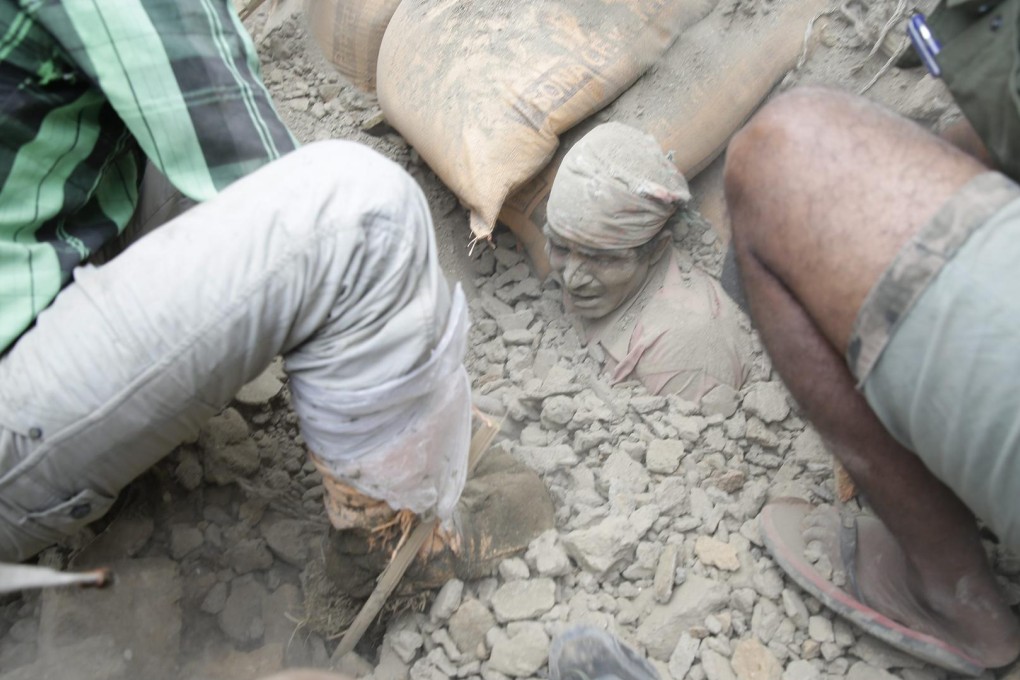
x,y
656,498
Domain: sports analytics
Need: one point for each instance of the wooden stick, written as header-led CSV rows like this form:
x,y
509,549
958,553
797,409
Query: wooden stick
x,y
401,561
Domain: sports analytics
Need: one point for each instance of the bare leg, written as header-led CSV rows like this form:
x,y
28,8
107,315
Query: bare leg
x,y
823,190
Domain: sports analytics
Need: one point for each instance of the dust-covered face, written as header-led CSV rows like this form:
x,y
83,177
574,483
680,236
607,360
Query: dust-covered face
x,y
595,282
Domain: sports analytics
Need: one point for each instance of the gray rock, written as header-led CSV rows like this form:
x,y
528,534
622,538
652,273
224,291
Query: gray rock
x,y
683,656
808,447
546,556
262,389
286,538
514,569
692,602
184,539
519,337
215,599
795,608
758,433
769,583
753,661
801,670
391,666
546,459
599,547
522,652
767,400
518,321
518,600
716,666
664,456
249,555
447,600
665,570
557,411
189,471
406,643
820,629
241,618
229,451
468,626
623,474
765,620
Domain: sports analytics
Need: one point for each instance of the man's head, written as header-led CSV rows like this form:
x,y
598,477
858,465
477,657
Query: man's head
x,y
613,194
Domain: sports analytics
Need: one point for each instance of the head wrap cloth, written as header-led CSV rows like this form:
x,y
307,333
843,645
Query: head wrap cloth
x,y
614,189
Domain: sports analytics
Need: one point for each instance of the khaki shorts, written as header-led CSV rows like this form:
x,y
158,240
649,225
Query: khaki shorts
x,y
936,349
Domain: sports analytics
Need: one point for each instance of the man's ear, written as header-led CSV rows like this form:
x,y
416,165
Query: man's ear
x,y
664,241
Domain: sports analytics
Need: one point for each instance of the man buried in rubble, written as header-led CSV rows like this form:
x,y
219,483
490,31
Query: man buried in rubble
x,y
324,254
668,324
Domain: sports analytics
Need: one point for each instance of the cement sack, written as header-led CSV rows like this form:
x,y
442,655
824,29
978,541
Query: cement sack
x,y
700,92
349,32
483,89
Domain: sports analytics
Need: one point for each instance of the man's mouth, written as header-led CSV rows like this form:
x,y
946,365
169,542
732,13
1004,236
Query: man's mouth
x,y
583,298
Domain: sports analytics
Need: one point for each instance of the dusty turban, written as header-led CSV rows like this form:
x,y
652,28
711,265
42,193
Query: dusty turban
x,y
615,189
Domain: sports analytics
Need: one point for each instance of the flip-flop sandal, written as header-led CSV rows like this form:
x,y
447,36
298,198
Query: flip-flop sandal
x,y
781,528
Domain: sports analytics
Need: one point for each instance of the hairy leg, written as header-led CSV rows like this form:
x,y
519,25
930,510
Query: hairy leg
x,y
823,190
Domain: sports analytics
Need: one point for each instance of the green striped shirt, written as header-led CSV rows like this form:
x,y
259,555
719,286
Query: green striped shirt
x,y
90,89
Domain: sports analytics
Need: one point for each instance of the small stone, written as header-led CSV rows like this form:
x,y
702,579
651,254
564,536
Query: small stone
x,y
865,671
599,547
215,599
447,600
767,400
820,629
406,644
801,670
758,433
692,602
249,555
753,661
683,656
523,652
623,474
546,556
285,537
664,456
518,600
665,571
730,481
716,666
795,608
547,459
518,321
262,389
514,569
241,617
189,471
524,338
715,553
183,540
229,450
468,626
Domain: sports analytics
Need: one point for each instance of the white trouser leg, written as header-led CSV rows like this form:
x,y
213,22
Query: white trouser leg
x,y
326,256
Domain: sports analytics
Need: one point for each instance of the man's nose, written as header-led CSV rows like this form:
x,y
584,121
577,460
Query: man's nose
x,y
575,274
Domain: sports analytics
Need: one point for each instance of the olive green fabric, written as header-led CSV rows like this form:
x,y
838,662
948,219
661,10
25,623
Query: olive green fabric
x,y
980,64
